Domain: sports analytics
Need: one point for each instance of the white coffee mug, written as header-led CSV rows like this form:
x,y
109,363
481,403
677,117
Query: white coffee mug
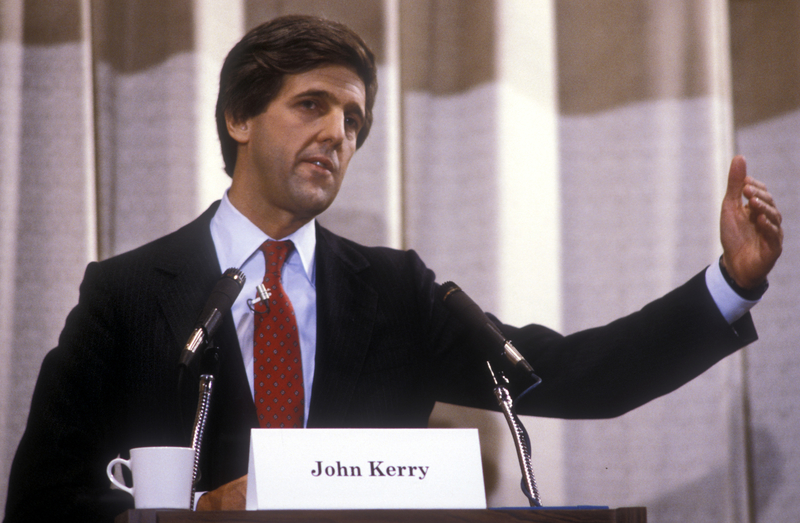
x,y
162,476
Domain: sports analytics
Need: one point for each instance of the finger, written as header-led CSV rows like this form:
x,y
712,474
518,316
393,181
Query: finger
x,y
770,212
750,192
736,179
758,207
766,217
761,202
771,233
757,183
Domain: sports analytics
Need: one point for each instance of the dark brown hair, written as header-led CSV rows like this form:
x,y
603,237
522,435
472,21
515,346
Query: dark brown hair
x,y
253,72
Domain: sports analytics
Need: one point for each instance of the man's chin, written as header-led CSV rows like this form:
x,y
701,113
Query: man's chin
x,y
317,201
311,210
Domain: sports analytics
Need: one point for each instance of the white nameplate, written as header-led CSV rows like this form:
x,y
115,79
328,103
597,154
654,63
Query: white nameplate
x,y
365,468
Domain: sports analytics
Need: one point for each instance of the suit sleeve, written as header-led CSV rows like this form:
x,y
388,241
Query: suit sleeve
x,y
55,473
606,371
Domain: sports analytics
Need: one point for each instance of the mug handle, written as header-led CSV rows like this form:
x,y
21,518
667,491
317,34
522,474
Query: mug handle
x,y
110,474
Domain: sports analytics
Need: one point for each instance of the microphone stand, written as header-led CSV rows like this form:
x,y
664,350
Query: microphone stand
x,y
520,435
201,417
203,402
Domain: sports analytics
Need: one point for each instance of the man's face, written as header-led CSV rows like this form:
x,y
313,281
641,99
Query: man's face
x,y
294,154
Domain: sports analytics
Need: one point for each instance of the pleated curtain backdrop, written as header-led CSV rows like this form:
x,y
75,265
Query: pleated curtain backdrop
x,y
586,142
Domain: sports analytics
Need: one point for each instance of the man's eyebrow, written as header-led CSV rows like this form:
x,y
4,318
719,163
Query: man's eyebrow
x,y
319,93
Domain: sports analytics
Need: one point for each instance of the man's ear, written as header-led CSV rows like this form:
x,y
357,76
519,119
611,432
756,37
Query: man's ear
x,y
239,130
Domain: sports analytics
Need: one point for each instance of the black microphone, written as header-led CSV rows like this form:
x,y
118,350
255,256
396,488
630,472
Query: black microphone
x,y
491,339
219,302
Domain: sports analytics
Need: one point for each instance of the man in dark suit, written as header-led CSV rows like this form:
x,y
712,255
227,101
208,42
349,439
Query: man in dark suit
x,y
378,349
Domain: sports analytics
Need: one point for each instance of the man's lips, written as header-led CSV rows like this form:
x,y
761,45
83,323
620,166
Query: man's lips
x,y
322,161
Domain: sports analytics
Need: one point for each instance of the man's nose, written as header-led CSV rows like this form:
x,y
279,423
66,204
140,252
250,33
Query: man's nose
x,y
333,128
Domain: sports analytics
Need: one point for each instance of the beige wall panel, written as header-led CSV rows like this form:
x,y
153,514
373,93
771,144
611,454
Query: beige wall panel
x,y
51,175
615,52
765,43
479,148
145,121
11,60
772,147
448,46
645,124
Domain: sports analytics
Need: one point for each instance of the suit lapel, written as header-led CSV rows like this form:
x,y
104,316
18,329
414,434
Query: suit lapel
x,y
346,311
188,270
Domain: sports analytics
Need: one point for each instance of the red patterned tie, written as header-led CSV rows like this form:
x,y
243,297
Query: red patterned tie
x,y
277,365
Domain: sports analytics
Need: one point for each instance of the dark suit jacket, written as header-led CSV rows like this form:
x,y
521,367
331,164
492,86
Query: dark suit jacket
x,y
386,351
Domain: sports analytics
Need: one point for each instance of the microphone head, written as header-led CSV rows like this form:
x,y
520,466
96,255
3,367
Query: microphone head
x,y
219,302
236,275
221,299
472,316
230,285
445,290
487,335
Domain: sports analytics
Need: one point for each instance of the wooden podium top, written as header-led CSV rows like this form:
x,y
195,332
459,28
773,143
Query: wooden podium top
x,y
538,515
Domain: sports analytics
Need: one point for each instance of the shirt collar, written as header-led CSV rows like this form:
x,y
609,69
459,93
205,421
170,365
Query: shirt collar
x,y
233,250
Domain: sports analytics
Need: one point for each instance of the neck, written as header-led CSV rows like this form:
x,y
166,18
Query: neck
x,y
274,222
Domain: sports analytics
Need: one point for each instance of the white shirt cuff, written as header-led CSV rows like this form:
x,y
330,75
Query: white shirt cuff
x,y
731,305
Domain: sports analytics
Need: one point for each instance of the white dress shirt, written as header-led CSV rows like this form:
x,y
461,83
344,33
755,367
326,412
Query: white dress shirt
x,y
731,305
237,241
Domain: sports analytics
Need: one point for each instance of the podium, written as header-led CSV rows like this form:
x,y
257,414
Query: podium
x,y
537,515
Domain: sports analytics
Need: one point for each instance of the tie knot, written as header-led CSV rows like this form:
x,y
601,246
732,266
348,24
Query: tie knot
x,y
275,254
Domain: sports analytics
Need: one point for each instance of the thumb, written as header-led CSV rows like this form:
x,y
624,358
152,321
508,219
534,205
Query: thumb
x,y
736,177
